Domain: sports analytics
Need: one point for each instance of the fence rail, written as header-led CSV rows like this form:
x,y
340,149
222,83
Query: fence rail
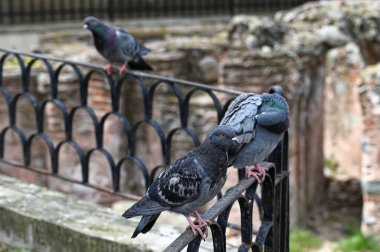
x,y
20,96
40,11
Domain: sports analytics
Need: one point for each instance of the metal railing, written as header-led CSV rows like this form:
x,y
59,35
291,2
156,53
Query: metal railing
x,y
273,234
40,11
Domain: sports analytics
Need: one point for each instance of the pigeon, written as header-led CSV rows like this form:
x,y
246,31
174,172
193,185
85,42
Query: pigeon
x,y
117,46
188,183
259,122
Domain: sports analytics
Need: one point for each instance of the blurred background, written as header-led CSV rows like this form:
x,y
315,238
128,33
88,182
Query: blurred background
x,y
324,53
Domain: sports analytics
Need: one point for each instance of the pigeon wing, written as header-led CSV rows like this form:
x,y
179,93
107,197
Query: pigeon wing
x,y
179,184
130,47
241,116
145,206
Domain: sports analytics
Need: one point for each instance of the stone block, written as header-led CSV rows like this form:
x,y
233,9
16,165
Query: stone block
x,y
370,165
34,218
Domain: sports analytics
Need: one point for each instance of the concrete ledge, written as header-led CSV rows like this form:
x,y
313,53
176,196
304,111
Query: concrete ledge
x,y
34,218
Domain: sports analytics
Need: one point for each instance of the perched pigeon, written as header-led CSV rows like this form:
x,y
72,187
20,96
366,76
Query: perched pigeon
x,y
117,46
259,122
188,183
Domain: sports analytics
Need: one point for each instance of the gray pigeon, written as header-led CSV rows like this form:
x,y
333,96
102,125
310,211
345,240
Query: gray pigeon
x,y
259,122
117,46
188,183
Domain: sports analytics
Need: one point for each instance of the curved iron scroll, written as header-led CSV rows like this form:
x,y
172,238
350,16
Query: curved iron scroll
x,y
274,204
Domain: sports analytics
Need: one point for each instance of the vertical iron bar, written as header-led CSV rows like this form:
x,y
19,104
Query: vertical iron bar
x,y
11,13
21,13
121,9
62,10
2,13
276,158
32,12
268,197
99,8
231,7
81,9
72,9
42,11
52,10
91,7
284,225
110,10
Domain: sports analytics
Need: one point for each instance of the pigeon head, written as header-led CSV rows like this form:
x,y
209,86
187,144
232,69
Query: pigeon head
x,y
222,137
95,25
276,103
275,100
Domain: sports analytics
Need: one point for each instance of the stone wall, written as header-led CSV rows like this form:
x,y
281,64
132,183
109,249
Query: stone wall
x,y
330,42
343,116
370,103
55,222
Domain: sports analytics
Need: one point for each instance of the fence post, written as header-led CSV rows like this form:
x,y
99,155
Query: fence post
x,y
231,7
110,10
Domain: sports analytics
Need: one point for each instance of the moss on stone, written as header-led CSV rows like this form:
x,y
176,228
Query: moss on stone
x,y
36,219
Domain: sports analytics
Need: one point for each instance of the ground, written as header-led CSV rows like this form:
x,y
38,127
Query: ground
x,y
341,210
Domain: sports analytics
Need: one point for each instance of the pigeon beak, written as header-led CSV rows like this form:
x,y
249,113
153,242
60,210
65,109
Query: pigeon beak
x,y
235,140
85,26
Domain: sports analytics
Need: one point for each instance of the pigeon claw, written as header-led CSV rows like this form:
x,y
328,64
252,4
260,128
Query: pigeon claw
x,y
199,225
108,68
198,229
123,69
257,171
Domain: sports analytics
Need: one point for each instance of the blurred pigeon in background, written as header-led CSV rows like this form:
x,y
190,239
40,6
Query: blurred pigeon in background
x,y
259,122
117,46
188,183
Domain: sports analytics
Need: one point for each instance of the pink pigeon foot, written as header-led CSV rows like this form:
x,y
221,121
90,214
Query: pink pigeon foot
x,y
122,69
108,68
257,171
199,226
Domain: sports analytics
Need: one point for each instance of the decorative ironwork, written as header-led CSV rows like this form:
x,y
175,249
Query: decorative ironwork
x,y
37,11
274,202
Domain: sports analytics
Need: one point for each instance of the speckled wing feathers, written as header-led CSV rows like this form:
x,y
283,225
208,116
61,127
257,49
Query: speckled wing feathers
x,y
241,116
178,185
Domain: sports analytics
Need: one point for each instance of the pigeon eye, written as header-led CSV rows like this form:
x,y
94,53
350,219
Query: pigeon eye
x,y
222,134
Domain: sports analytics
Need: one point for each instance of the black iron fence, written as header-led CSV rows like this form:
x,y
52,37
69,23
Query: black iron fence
x,y
37,11
18,92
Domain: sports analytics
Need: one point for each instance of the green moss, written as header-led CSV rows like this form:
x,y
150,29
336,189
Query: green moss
x,y
356,241
331,164
4,248
13,63
302,241
102,228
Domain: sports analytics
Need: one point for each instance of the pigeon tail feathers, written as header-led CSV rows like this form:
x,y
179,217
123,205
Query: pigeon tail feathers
x,y
144,50
138,63
145,206
145,225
